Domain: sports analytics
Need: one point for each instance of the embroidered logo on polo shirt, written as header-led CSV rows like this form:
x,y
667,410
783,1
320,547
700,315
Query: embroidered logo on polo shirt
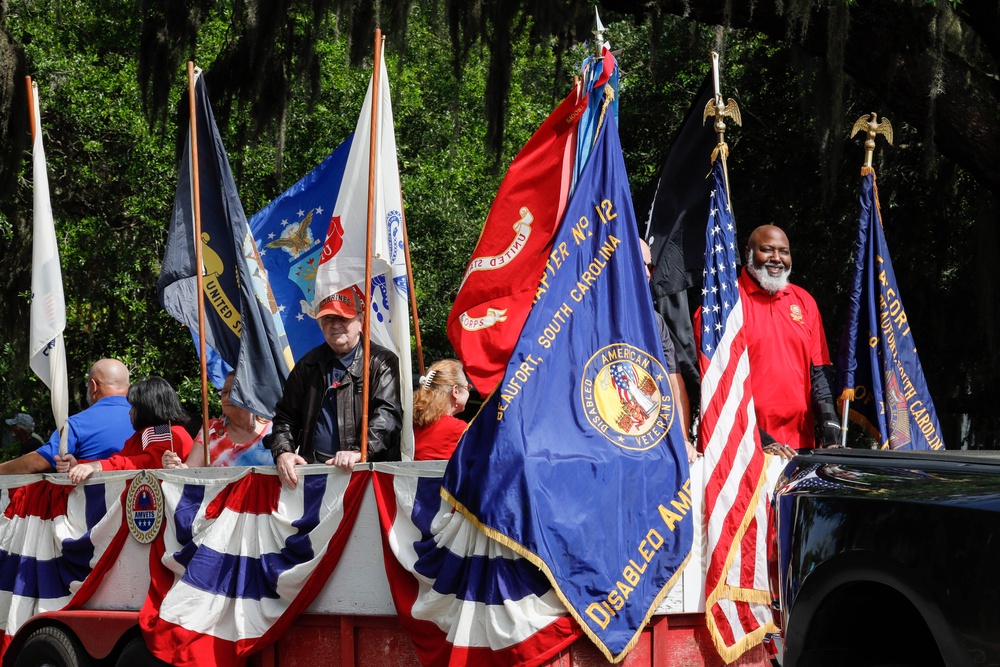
x,y
795,312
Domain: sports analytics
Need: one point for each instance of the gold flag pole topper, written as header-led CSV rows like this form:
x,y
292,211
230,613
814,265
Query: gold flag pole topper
x,y
872,126
721,110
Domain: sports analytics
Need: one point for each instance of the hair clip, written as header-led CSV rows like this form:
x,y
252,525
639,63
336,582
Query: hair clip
x,y
427,380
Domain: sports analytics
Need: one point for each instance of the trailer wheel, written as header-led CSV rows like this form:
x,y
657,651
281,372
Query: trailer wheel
x,y
135,654
51,647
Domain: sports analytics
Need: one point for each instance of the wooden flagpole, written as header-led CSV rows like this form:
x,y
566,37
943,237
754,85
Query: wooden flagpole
x,y
372,156
413,291
198,260
31,107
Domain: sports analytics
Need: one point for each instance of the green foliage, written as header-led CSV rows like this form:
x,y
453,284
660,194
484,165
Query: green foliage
x,y
113,179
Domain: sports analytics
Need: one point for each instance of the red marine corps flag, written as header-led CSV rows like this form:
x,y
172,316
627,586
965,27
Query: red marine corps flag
x,y
514,250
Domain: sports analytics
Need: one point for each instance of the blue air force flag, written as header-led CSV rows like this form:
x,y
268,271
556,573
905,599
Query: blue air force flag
x,y
290,232
881,372
241,316
576,461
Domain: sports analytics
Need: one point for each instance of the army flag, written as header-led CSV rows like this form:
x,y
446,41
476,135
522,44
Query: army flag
x,y
289,233
880,370
241,316
47,350
576,461
342,260
514,249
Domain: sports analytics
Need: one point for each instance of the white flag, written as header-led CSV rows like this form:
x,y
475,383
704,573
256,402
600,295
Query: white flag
x,y
48,305
343,262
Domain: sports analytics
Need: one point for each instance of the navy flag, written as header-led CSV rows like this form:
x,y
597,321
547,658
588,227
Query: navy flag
x,y
576,461
241,317
290,232
881,372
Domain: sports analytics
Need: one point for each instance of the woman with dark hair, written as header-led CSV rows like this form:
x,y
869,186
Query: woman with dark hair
x,y
442,394
158,420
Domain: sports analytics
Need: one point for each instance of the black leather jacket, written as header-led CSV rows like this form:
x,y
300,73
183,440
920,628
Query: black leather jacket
x,y
298,409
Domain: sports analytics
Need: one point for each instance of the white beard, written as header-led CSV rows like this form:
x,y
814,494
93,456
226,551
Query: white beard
x,y
771,284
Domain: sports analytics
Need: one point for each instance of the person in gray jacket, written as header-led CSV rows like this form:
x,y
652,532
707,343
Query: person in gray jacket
x,y
318,418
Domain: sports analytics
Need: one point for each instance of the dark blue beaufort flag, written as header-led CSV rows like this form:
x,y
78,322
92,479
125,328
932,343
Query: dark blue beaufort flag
x,y
576,461
241,317
880,369
290,232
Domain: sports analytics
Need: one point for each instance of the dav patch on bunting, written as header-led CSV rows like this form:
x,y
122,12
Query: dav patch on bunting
x,y
621,397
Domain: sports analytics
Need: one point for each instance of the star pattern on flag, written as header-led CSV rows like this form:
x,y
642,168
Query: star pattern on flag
x,y
720,280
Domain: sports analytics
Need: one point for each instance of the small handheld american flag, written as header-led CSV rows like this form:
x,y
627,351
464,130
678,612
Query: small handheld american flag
x,y
159,433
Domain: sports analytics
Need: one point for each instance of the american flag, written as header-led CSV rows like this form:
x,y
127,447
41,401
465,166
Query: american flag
x,y
160,433
621,375
736,591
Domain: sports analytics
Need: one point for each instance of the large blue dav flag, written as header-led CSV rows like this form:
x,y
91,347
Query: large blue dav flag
x,y
576,461
241,315
290,232
881,372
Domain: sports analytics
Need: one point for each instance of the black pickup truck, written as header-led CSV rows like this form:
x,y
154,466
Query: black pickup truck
x,y
887,558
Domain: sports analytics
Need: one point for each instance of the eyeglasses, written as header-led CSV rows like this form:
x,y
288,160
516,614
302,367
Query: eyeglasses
x,y
467,387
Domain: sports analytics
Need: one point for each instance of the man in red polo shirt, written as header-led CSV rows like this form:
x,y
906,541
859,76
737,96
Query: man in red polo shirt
x,y
790,366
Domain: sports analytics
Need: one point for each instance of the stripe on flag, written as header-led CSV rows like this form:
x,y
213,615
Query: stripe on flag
x,y
735,509
240,558
462,597
56,543
160,433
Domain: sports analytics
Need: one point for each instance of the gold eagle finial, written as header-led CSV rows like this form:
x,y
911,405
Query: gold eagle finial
x,y
730,109
872,126
296,242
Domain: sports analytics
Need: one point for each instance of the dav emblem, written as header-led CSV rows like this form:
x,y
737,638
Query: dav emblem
x,y
795,312
622,399
144,507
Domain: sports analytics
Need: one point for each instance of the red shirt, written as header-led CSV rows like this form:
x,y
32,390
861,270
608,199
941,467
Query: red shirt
x,y
134,457
437,440
785,336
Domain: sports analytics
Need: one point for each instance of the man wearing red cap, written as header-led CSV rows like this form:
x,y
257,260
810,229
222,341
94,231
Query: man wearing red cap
x,y
318,418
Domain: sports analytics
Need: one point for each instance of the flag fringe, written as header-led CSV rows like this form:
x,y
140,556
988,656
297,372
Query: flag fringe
x,y
723,590
738,594
533,558
609,97
731,654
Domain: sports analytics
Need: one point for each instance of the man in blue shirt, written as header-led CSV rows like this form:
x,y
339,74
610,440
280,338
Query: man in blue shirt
x,y
96,433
